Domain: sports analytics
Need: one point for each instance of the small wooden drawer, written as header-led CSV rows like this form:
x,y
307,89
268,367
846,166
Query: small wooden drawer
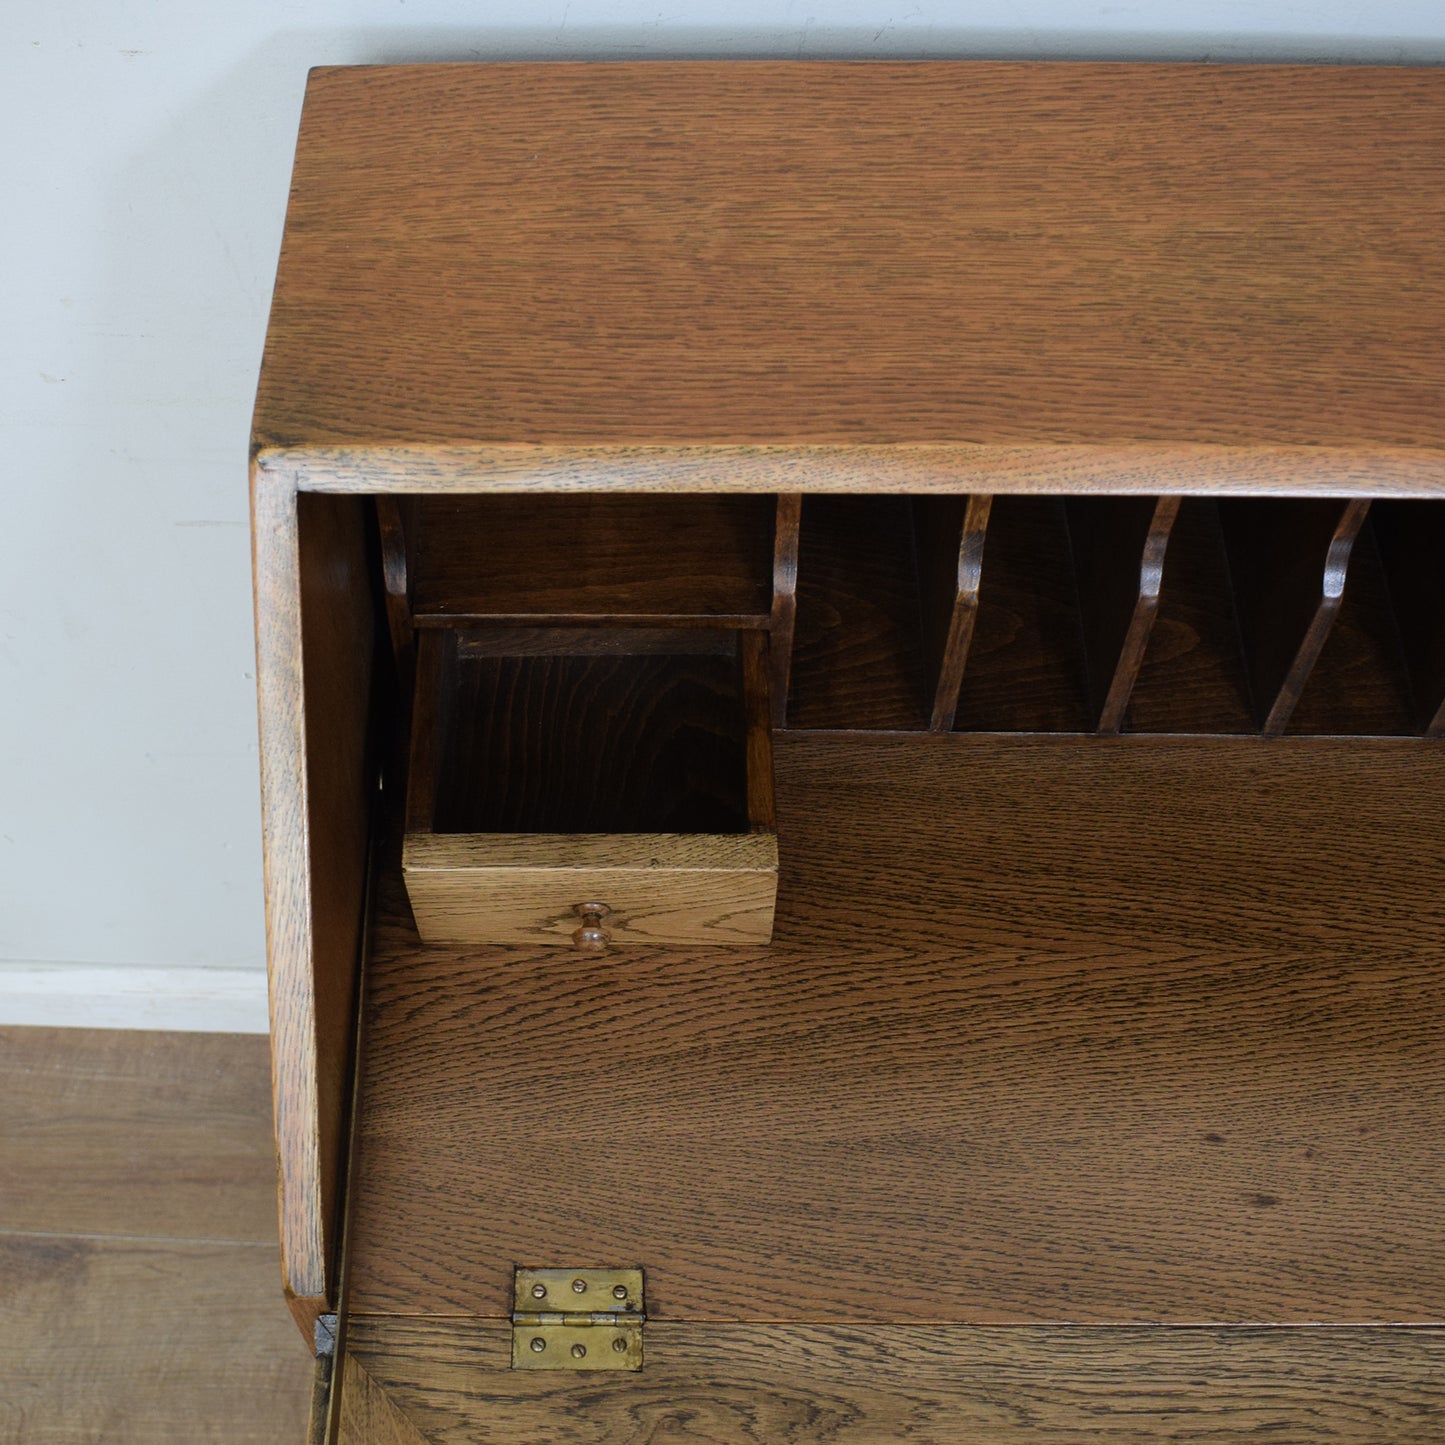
x,y
587,786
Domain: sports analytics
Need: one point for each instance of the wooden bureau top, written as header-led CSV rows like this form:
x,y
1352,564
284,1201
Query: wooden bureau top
x,y
765,275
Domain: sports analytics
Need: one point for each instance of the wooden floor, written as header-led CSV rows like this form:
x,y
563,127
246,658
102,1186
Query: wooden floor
x,y
140,1297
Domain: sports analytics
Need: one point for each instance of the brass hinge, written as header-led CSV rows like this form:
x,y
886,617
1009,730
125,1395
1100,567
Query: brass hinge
x,y
577,1319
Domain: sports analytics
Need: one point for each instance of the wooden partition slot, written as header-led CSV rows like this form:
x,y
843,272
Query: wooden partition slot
x,y
1359,685
858,654
1192,677
950,543
1288,558
624,559
1410,536
1119,546
1026,670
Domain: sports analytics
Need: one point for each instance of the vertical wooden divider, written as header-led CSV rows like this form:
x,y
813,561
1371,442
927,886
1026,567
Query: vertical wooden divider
x,y
1288,559
1118,545
756,674
394,527
950,533
787,530
1411,540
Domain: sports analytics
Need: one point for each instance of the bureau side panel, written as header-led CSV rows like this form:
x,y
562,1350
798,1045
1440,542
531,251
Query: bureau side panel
x,y
315,629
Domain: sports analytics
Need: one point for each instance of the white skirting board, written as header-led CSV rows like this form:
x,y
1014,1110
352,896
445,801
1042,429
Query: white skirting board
x,y
117,996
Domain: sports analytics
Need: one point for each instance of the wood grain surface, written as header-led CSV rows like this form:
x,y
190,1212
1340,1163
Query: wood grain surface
x,y
315,643
696,888
1135,258
1119,546
1359,683
448,1381
858,652
1193,678
584,558
139,1300
1076,1030
137,1133
1026,667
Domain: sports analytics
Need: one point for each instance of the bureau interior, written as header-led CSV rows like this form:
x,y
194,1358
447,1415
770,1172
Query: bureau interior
x,y
1016,614
580,730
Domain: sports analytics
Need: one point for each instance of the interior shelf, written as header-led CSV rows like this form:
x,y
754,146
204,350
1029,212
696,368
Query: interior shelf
x,y
695,560
966,613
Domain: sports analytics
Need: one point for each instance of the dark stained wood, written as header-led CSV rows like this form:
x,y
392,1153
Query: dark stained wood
x,y
1119,546
315,631
1026,670
1359,683
951,533
858,656
1192,678
1127,259
587,741
433,705
125,1132
1288,561
869,1384
783,623
1411,539
1074,1030
700,560
757,671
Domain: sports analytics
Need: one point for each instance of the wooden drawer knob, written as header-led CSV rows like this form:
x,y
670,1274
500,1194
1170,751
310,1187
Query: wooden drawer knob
x,y
592,934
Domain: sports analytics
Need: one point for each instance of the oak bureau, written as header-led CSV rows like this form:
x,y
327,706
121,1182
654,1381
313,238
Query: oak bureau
x,y
852,669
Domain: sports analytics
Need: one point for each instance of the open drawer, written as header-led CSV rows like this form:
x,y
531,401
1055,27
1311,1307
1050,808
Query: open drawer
x,y
585,786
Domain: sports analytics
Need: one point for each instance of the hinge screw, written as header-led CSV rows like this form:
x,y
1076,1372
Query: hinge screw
x,y
579,1351
538,1344
539,1291
619,1291
620,1345
579,1286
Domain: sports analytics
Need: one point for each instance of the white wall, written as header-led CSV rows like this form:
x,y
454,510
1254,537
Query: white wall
x,y
144,171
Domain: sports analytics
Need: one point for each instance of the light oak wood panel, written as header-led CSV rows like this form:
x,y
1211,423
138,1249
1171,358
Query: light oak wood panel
x,y
315,641
873,1385
527,887
1119,468
1117,256
122,1132
1052,1030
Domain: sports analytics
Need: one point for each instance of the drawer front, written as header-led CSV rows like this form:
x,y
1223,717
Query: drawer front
x,y
534,887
